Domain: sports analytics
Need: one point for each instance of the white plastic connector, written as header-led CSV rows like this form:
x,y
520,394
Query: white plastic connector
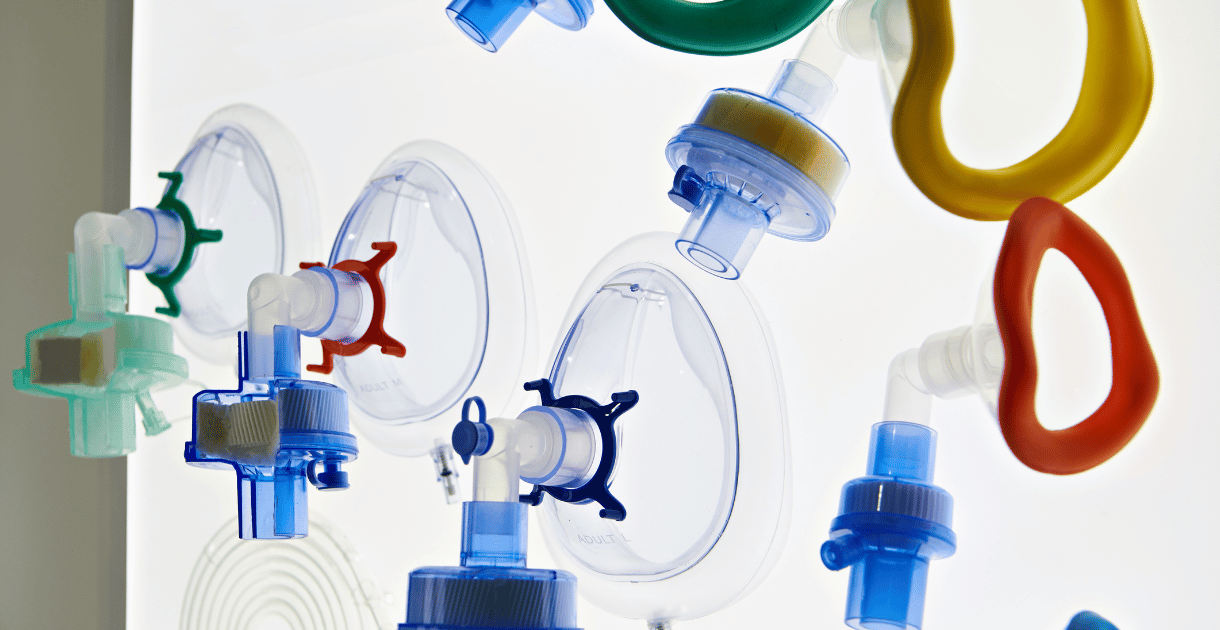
x,y
150,241
319,302
544,445
949,364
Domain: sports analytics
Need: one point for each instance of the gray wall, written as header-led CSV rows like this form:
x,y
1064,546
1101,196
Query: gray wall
x,y
65,109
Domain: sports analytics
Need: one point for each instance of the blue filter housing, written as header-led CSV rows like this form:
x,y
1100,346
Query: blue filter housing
x,y
891,524
492,588
276,435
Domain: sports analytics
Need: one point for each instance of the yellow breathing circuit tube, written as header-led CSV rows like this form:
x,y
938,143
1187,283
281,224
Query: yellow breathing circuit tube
x,y
1114,99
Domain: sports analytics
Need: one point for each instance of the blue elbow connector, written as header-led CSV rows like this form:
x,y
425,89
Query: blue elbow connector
x,y
891,524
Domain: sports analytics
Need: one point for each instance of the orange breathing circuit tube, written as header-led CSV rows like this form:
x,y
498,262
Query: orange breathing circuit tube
x,y
1036,226
1114,98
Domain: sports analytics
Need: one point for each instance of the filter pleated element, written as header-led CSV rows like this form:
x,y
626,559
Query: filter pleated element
x,y
313,409
313,583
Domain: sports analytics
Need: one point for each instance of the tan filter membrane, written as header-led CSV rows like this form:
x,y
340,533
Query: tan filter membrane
x,y
71,360
779,131
313,583
212,430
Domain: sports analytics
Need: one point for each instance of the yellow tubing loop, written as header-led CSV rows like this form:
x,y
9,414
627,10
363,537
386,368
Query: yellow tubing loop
x,y
1114,99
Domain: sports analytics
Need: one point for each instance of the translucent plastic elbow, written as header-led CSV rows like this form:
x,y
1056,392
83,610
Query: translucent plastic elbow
x,y
107,244
544,445
317,302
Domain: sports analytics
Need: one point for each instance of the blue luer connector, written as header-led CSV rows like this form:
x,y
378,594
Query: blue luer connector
x,y
891,524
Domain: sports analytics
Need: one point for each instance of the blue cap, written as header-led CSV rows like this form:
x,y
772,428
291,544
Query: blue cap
x,y
891,524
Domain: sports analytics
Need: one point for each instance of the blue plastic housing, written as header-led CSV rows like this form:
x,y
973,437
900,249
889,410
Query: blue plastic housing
x,y
277,436
891,524
492,588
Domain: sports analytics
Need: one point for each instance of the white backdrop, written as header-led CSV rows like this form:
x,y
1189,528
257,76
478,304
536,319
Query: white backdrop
x,y
573,126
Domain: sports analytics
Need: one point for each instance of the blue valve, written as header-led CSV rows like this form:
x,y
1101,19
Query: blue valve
x,y
891,524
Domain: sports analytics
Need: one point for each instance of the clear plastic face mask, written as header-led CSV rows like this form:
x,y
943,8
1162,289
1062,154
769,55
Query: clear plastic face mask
x,y
645,330
436,286
227,180
245,175
457,254
702,466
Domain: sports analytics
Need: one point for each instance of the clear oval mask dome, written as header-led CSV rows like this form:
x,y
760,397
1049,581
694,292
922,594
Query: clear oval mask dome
x,y
703,466
244,174
457,253
644,330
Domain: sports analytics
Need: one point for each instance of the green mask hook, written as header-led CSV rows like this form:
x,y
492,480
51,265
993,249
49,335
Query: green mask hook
x,y
192,238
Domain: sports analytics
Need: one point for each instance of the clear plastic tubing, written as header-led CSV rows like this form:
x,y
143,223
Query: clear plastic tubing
x,y
151,241
318,301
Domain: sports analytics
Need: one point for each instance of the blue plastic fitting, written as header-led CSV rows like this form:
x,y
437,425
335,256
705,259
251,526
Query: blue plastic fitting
x,y
490,22
494,534
492,588
1088,620
275,436
891,524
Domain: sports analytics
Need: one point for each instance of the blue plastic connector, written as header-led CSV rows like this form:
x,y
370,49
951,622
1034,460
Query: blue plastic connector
x,y
492,588
277,436
1088,620
494,534
891,524
490,22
